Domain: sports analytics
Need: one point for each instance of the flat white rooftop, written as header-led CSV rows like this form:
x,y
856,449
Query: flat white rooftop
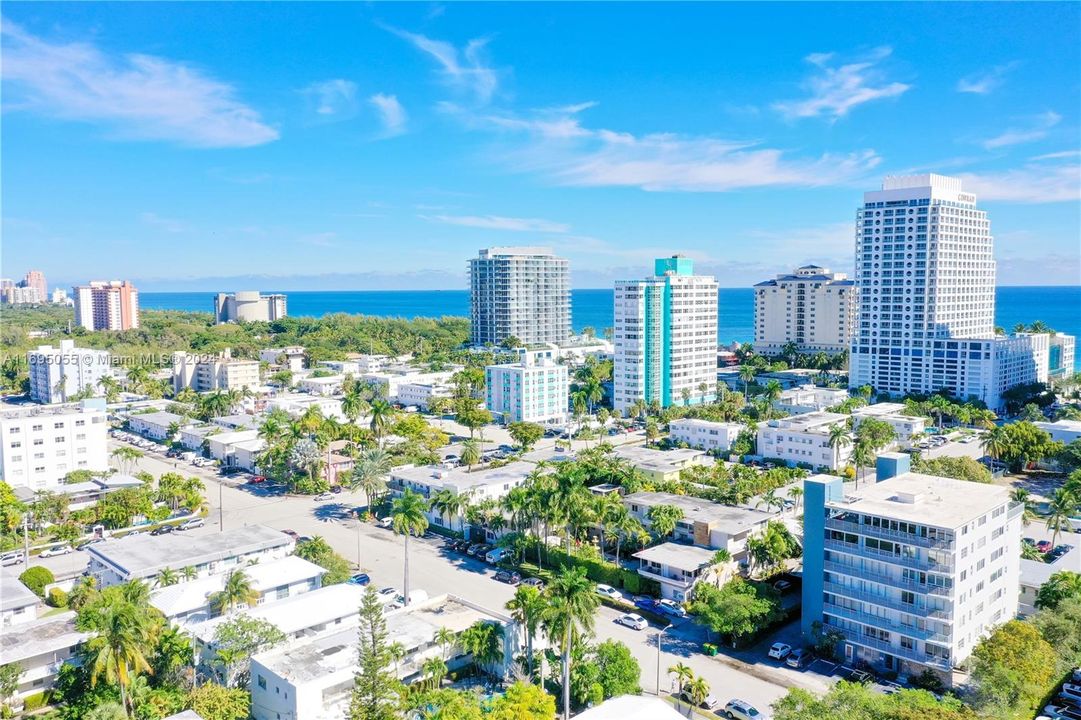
x,y
144,555
808,422
728,519
926,499
660,460
681,557
631,707
436,476
13,594
44,635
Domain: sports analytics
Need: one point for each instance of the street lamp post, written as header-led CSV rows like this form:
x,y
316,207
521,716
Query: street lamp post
x,y
357,513
659,634
221,510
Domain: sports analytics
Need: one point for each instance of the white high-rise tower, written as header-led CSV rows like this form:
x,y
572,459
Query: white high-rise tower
x,y
926,278
521,292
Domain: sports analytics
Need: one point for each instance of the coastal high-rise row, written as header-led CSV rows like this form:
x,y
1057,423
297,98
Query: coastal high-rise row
x,y
31,290
812,308
520,292
106,305
926,279
36,279
666,337
248,306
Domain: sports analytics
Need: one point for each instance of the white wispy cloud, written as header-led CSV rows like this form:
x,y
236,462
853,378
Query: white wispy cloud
x,y
1036,128
1033,183
336,97
140,96
1059,155
835,91
570,153
466,69
391,113
163,223
984,82
496,222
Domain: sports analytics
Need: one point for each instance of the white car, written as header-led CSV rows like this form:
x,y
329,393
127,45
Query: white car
x,y
634,622
192,524
671,608
780,650
55,550
323,496
742,710
11,558
609,592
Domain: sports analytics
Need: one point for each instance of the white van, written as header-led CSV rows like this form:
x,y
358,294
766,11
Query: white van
x,y
495,556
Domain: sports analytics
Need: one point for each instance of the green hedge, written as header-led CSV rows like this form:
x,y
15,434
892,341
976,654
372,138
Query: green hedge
x,y
599,571
35,701
57,598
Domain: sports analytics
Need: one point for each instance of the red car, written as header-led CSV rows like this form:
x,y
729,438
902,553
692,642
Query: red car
x,y
1044,546
257,479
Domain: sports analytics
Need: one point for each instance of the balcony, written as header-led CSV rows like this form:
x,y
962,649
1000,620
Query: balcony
x,y
916,563
887,534
897,651
680,582
877,621
885,601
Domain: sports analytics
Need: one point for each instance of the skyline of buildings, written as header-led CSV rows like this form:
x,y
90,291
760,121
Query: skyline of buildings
x,y
665,337
249,306
521,292
106,305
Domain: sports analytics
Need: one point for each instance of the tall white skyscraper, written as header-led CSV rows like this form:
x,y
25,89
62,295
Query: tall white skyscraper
x,y
106,305
926,279
522,292
666,337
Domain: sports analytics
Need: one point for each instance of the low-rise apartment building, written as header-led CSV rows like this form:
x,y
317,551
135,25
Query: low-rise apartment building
x,y
913,570
705,435
190,602
290,358
325,386
207,374
534,390
677,568
809,398
223,446
156,425
487,484
706,524
144,557
804,439
60,374
661,465
313,678
421,394
40,647
905,427
1034,573
41,444
19,602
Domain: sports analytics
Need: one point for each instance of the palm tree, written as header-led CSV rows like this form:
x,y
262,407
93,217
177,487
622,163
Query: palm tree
x,y
528,608
746,374
448,504
684,675
771,500
625,526
435,669
698,689
445,637
353,403
167,577
484,641
1062,507
117,653
773,391
126,457
1021,497
720,561
396,651
839,438
189,573
795,494
470,453
369,472
236,591
573,604
408,517
862,456
382,412
996,442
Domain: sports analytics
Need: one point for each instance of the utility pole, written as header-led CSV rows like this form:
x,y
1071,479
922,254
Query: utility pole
x,y
221,510
659,634
26,539
358,539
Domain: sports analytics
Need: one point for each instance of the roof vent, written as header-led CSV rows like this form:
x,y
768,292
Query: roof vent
x,y
907,498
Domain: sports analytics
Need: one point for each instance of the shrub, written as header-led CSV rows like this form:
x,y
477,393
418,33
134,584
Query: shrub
x,y
35,701
36,578
57,598
927,680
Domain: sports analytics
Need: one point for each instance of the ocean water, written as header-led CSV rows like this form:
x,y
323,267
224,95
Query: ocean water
x,y
1058,306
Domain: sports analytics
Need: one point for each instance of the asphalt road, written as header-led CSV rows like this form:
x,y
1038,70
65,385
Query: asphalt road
x,y
438,571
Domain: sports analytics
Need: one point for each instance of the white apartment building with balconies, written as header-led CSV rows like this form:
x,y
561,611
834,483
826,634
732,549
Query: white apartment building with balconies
x,y
39,445
535,390
804,439
914,569
221,372
705,435
812,308
926,278
665,337
521,292
59,374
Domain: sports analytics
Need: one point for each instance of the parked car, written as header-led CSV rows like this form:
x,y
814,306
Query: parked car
x,y
1072,691
387,593
192,524
508,576
609,592
323,496
55,550
292,533
1061,712
257,479
495,556
534,582
709,703
359,579
671,608
385,522
634,622
162,530
782,586
87,543
742,710
645,603
780,650
798,658
12,558
1044,546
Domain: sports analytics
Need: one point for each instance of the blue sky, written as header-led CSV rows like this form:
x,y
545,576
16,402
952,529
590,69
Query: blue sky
x,y
372,146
